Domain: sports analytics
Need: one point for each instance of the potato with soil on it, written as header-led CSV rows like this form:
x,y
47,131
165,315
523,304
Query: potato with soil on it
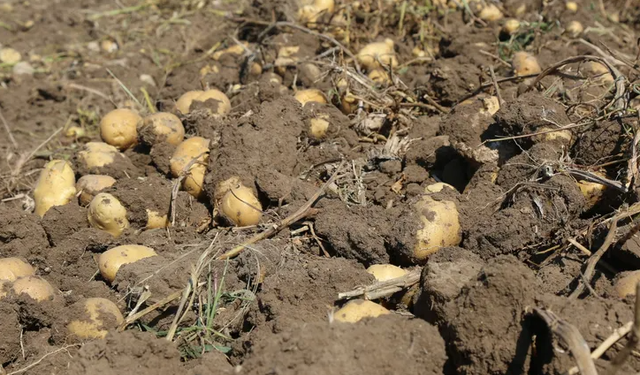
x,y
524,63
625,283
309,14
93,318
356,310
92,184
378,55
384,272
161,127
55,187
240,206
118,128
190,161
310,95
111,260
107,213
213,101
14,268
35,287
104,159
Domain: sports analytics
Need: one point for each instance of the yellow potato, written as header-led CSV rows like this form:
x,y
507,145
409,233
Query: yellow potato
x,y
111,260
241,206
99,315
379,76
384,272
626,282
97,154
571,6
319,126
184,102
224,105
490,13
524,63
592,191
563,136
375,55
91,184
511,26
440,225
155,220
575,28
311,13
597,71
196,148
118,128
356,310
166,127
236,49
35,287
14,268
107,213
55,187
310,95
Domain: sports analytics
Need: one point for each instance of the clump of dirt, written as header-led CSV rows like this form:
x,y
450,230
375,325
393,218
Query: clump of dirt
x,y
20,233
121,167
452,80
599,143
60,222
10,330
339,348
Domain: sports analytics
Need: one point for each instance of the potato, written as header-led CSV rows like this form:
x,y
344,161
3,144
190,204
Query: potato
x,y
184,102
111,260
625,284
374,54
310,95
118,128
597,71
166,127
311,13
511,26
91,184
156,220
356,310
592,191
440,224
187,151
97,154
379,76
14,268
490,13
55,187
575,28
224,105
9,56
236,50
319,126
35,287
384,272
98,316
240,206
524,63
562,136
571,6
107,213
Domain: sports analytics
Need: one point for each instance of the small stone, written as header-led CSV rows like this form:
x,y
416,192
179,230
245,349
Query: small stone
x,y
23,68
9,56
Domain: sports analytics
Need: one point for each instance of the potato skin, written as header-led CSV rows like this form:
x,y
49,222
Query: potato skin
x,y
118,128
440,226
107,213
92,325
13,268
97,154
625,284
56,186
111,260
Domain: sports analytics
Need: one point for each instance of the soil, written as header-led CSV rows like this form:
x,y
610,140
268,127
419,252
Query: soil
x,y
442,117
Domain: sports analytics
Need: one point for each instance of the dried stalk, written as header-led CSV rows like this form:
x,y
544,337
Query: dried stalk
x,y
383,288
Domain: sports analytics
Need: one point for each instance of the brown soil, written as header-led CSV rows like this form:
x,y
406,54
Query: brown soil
x,y
271,308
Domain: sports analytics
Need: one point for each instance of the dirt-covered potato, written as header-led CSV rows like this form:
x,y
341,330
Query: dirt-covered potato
x,y
111,260
55,187
319,126
193,154
186,100
524,63
625,283
490,13
35,287
309,14
310,95
356,310
161,127
378,54
96,316
241,207
563,136
440,224
92,184
108,214
384,272
592,191
511,26
97,154
14,268
156,220
118,128
379,76
597,71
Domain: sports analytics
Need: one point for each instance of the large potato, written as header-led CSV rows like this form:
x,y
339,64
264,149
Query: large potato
x,y
35,287
240,206
14,268
97,154
162,127
97,317
440,226
92,184
111,260
108,214
356,310
196,148
118,128
55,187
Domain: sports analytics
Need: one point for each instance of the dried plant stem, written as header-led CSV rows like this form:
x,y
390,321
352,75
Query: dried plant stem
x,y
383,288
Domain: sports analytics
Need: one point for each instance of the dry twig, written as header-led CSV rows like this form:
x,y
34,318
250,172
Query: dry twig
x,y
384,288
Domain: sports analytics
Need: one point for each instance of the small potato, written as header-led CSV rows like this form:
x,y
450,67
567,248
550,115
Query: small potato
x,y
55,187
318,127
97,154
236,50
575,28
118,128
511,26
14,268
440,225
196,148
384,272
310,95
490,13
107,213
374,54
163,127
592,192
559,136
598,72
356,310
524,63
98,316
35,287
241,206
571,6
311,13
625,283
91,184
111,260
379,76
184,102
155,220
